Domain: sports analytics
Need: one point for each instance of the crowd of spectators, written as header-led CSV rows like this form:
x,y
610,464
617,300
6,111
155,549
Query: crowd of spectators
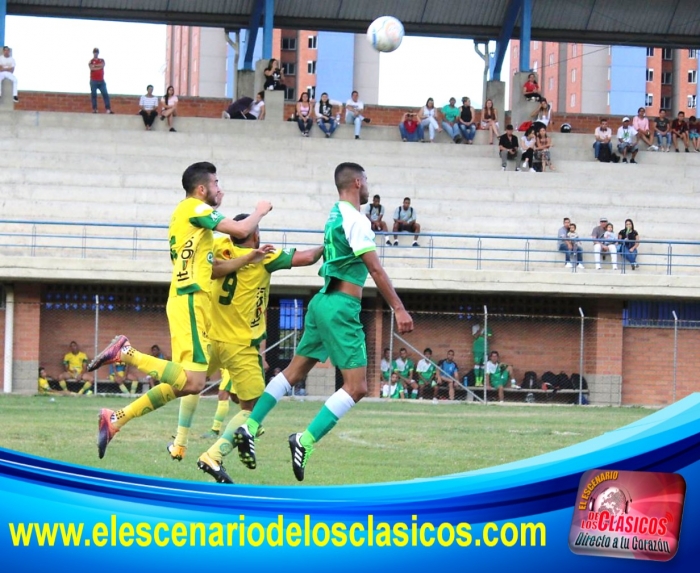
x,y
606,244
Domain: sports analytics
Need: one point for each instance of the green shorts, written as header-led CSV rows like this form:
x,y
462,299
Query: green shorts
x,y
479,360
499,378
332,329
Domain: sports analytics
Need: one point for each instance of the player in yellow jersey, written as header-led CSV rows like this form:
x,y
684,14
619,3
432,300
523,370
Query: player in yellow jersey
x,y
240,296
191,240
44,384
225,394
74,363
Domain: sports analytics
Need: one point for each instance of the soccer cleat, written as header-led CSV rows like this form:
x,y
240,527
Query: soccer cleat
x,y
245,443
105,431
300,455
176,452
111,354
213,468
210,435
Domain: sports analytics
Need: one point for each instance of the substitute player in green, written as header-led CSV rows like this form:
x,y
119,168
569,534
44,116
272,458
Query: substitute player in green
x,y
425,374
478,352
332,325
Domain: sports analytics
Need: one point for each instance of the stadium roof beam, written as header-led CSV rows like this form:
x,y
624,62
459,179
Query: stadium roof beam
x,y
668,23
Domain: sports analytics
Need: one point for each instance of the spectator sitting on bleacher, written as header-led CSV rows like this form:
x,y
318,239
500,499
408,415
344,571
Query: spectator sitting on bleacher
x,y
679,130
410,128
148,108
598,235
7,67
531,89
375,214
274,78
543,146
323,110
169,106
694,132
450,115
405,221
425,373
44,384
97,81
466,122
508,148
527,146
119,374
603,139
385,367
353,113
75,363
498,374
257,108
155,351
304,114
429,116
489,120
447,375
629,243
239,109
662,129
627,140
541,115
403,367
561,244
640,122
393,389
575,248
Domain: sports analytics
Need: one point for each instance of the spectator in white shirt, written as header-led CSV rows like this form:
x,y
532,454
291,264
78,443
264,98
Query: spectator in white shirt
x,y
148,108
323,110
353,113
429,117
169,107
405,221
627,140
640,122
7,67
257,108
375,214
603,137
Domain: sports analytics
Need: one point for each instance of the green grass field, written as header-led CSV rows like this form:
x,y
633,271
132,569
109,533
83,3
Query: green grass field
x,y
376,442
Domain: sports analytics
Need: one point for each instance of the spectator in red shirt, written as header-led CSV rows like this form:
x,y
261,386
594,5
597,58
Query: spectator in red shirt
x,y
97,81
531,89
679,130
410,128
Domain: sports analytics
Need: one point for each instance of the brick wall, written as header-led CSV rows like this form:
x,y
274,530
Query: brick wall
x,y
212,108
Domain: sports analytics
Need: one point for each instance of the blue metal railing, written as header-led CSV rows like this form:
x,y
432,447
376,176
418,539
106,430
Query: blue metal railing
x,y
438,250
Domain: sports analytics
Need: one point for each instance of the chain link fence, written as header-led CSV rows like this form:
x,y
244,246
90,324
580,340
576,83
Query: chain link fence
x,y
540,358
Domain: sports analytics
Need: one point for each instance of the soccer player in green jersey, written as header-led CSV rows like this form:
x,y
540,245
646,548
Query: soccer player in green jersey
x,y
332,325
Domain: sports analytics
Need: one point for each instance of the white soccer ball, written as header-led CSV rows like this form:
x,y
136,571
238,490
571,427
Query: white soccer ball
x,y
385,34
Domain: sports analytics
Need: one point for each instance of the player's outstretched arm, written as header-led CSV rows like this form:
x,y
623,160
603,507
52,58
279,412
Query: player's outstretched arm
x,y
222,268
307,257
404,322
241,229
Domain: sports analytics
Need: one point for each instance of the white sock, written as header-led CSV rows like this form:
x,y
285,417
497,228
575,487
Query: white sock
x,y
340,403
278,387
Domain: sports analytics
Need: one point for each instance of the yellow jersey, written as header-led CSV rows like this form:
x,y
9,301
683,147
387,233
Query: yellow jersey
x,y
191,240
44,387
239,300
74,362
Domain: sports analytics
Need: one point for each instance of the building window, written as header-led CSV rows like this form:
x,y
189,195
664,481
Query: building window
x,y
666,103
666,78
653,314
551,84
289,68
290,94
573,76
649,100
312,42
311,90
551,59
650,52
535,45
693,77
289,43
574,50
692,101
693,54
608,99
573,101
534,66
311,67
650,75
291,321
667,54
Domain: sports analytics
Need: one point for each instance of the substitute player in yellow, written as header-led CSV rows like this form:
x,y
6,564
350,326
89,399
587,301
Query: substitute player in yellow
x,y
74,363
240,296
188,308
332,327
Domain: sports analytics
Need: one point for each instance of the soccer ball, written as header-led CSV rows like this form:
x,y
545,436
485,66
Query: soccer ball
x,y
385,34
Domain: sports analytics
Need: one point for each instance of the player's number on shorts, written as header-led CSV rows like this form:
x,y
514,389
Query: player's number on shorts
x,y
229,287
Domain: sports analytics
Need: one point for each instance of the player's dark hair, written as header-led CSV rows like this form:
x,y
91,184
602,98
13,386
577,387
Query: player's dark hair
x,y
156,347
73,342
40,369
240,217
346,173
402,349
493,352
428,350
387,348
197,174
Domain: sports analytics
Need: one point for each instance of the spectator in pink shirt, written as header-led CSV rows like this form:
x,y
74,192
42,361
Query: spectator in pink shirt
x,y
640,122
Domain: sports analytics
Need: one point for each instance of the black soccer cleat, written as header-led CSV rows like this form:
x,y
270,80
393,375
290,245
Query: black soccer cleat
x,y
245,442
213,468
300,455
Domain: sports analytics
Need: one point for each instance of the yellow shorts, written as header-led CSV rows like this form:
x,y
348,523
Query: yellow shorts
x,y
225,383
189,318
244,365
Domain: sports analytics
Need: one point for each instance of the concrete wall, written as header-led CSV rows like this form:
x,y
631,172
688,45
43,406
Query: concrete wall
x,y
366,72
212,62
627,79
594,79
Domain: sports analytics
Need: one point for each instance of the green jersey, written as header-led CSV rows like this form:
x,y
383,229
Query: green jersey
x,y
347,236
426,371
393,391
402,367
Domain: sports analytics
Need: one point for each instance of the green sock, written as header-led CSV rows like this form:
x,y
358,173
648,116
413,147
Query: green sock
x,y
319,427
224,445
134,386
262,408
123,388
188,405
